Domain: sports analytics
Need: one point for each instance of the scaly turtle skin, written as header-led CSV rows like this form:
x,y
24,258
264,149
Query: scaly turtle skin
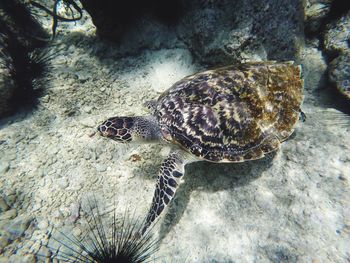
x,y
229,114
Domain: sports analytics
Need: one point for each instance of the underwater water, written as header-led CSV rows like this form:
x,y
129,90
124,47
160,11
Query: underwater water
x,y
291,206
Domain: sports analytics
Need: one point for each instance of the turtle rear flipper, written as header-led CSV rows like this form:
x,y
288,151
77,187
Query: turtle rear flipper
x,y
268,145
169,177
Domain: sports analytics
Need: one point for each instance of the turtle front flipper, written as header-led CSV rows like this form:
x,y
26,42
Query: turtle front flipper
x,y
127,129
169,177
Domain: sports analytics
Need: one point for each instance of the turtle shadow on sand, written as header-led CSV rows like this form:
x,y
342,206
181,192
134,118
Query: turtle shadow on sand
x,y
209,177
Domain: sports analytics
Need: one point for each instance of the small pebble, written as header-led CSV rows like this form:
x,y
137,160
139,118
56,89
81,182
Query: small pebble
x,y
56,214
76,232
17,258
88,122
4,167
101,167
52,150
87,109
135,157
62,182
43,225
44,251
3,205
4,241
11,156
83,76
32,136
341,177
74,212
36,207
11,198
9,214
45,99
87,156
18,226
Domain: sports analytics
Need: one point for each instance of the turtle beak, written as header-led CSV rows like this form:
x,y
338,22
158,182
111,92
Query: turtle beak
x,y
99,129
102,130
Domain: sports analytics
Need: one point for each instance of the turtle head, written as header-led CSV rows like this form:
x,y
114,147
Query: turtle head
x,y
127,129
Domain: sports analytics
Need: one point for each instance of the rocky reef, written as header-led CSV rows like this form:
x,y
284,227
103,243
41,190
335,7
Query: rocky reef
x,y
337,46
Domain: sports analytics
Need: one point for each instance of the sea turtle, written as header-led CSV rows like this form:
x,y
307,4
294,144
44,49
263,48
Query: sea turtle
x,y
225,115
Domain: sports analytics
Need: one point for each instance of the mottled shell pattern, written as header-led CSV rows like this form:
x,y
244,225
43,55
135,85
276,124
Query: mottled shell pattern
x,y
234,113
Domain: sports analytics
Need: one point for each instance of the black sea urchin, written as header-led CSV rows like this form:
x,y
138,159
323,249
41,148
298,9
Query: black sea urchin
x,y
120,242
23,64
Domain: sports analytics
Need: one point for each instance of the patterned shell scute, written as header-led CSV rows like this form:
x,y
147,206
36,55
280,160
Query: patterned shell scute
x,y
234,113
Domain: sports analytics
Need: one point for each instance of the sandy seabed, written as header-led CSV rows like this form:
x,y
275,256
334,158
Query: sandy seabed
x,y
291,207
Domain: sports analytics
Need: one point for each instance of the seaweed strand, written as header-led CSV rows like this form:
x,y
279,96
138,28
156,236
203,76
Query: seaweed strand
x,y
56,17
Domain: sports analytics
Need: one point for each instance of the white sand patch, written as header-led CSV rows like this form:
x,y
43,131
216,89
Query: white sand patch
x,y
169,67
